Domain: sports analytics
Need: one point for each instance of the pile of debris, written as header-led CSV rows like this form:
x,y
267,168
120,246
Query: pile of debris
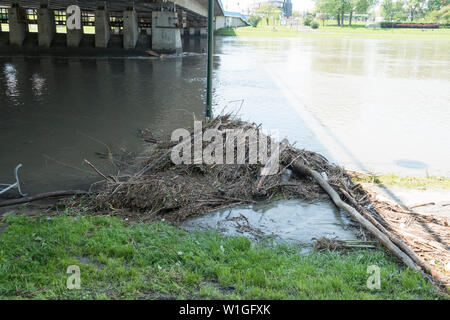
x,y
163,190
177,192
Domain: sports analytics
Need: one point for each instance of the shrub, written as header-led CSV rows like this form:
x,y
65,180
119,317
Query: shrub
x,y
315,24
416,25
307,21
254,20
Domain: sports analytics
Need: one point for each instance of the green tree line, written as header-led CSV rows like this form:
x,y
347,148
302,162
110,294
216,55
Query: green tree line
x,y
392,10
267,13
338,8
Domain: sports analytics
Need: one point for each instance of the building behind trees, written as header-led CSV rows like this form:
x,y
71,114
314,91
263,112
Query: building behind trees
x,y
285,6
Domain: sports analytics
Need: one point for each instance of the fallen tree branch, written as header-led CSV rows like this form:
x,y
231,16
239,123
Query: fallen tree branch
x,y
41,196
423,205
384,239
153,164
98,171
399,242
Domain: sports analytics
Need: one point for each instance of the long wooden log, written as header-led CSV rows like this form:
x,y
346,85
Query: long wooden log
x,y
399,242
41,196
384,239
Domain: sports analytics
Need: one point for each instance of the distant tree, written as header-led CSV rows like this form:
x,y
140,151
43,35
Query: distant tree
x,y
415,8
322,17
330,7
254,20
394,10
400,13
360,6
436,5
344,7
269,12
440,16
387,7
338,8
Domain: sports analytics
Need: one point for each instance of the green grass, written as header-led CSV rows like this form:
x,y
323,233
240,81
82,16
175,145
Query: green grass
x,y
407,182
119,261
332,31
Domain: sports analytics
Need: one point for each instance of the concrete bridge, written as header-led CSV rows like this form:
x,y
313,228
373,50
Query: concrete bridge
x,y
231,20
156,24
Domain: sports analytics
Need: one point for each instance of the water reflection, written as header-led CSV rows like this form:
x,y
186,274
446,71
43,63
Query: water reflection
x,y
72,108
10,76
38,84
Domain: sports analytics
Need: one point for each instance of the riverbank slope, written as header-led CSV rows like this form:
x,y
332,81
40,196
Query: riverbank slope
x,y
356,32
119,260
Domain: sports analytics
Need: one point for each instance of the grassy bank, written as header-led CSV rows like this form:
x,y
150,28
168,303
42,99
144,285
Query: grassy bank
x,y
331,31
407,182
159,261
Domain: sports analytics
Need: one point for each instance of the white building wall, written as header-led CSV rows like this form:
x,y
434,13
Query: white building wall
x,y
229,22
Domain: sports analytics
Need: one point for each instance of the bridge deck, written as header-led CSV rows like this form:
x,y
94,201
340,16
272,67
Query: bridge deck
x,y
194,7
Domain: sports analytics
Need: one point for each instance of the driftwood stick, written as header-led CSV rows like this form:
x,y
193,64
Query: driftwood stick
x,y
423,205
98,171
153,53
153,164
41,196
384,239
399,242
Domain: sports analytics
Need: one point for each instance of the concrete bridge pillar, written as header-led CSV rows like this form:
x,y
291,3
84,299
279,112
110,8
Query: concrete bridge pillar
x,y
203,32
183,26
74,35
192,32
166,35
184,19
130,29
46,26
102,28
17,29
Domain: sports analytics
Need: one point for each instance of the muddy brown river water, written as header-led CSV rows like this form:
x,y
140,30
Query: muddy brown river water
x,y
375,105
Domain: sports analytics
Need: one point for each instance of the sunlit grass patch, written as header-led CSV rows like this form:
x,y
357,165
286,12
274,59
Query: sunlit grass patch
x,y
157,260
406,182
333,31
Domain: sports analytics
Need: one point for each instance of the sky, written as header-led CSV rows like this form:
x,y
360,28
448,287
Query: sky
x,y
234,5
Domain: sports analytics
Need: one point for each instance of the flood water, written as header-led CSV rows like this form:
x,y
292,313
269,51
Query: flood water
x,y
377,105
371,105
291,221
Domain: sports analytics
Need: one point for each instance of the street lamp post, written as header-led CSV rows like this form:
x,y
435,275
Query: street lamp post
x,y
208,111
